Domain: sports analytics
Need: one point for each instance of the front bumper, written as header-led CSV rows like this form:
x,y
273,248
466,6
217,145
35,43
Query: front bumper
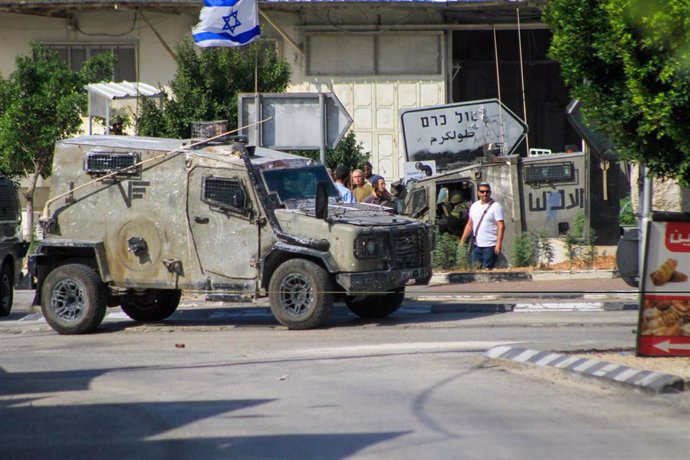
x,y
382,281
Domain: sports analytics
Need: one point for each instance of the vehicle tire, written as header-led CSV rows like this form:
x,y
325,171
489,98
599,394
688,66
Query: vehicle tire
x,y
301,294
375,306
73,299
6,290
153,305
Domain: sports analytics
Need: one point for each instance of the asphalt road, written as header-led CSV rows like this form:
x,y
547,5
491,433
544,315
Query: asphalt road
x,y
220,381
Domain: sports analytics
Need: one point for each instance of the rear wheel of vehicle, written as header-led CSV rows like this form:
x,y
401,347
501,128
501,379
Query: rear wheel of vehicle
x,y
151,305
375,306
73,299
301,294
6,290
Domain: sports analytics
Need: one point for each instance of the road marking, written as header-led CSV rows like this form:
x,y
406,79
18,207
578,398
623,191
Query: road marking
x,y
626,374
548,359
525,355
405,347
567,306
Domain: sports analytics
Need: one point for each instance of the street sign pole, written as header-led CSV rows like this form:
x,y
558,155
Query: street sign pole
x,y
322,129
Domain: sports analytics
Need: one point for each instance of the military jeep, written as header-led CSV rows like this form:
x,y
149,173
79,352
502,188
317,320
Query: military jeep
x,y
12,245
133,221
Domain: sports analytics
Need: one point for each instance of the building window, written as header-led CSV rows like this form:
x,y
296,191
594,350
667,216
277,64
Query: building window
x,y
75,55
389,54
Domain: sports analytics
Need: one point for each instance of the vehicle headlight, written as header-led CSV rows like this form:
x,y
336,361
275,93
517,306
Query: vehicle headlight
x,y
371,246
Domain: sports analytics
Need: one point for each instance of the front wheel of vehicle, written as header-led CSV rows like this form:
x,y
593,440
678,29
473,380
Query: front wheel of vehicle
x,y
151,305
375,306
73,299
6,290
301,294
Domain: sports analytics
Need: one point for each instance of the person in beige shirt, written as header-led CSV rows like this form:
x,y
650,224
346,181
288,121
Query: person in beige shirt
x,y
360,188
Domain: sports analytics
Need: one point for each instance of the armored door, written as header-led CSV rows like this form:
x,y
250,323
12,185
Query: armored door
x,y
222,215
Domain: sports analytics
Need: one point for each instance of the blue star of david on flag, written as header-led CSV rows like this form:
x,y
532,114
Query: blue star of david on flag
x,y
227,23
235,24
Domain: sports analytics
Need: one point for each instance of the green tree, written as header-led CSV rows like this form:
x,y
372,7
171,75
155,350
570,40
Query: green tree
x,y
206,85
40,104
348,152
628,61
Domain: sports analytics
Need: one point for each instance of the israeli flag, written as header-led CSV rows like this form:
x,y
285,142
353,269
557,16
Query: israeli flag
x,y
227,23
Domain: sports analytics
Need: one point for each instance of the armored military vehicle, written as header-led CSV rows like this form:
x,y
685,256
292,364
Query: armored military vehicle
x,y
540,193
12,246
133,221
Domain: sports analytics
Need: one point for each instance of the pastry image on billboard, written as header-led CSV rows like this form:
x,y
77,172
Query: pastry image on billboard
x,y
667,273
666,317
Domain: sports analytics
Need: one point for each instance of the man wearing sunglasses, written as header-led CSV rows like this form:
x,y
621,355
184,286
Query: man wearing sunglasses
x,y
486,224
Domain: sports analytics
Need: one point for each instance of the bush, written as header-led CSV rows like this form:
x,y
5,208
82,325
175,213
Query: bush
x,y
572,248
543,249
522,253
589,252
446,251
581,249
462,256
531,249
578,228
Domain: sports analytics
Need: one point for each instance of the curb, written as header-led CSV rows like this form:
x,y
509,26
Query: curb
x,y
654,382
496,276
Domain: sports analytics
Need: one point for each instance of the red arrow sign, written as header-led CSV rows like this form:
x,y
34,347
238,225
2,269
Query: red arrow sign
x,y
664,346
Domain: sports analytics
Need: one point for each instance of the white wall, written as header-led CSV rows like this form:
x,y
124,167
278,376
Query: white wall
x,y
373,101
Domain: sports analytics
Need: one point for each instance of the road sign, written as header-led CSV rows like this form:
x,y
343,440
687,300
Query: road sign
x,y
454,132
298,121
663,328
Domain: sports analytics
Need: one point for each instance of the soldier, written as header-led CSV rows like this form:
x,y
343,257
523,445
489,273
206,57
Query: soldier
x,y
116,127
454,215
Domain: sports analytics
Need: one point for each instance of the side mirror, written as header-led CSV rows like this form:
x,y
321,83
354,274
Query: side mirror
x,y
321,210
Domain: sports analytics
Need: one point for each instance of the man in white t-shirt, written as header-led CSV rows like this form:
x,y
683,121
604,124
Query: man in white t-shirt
x,y
487,224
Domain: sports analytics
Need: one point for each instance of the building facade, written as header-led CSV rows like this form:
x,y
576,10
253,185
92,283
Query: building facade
x,y
378,57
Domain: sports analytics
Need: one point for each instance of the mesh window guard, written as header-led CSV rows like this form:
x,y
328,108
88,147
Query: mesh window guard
x,y
99,163
223,192
550,172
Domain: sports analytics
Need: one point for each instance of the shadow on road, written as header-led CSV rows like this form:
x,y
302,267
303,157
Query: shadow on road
x,y
36,427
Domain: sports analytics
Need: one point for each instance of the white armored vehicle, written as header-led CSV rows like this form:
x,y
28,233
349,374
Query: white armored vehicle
x,y
133,221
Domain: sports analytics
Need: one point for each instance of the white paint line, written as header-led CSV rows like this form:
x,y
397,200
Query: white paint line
x,y
654,376
625,375
548,359
525,355
586,365
566,362
497,351
606,369
407,347
561,306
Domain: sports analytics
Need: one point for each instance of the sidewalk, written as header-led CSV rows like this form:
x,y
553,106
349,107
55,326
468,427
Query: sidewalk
x,y
509,286
655,375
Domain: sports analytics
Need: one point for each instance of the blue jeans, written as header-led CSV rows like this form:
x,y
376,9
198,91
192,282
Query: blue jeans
x,y
484,257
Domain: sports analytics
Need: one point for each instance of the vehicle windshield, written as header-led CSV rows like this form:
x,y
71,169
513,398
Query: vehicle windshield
x,y
298,183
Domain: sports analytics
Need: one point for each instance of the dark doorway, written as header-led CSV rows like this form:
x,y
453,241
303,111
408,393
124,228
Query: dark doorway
x,y
545,94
